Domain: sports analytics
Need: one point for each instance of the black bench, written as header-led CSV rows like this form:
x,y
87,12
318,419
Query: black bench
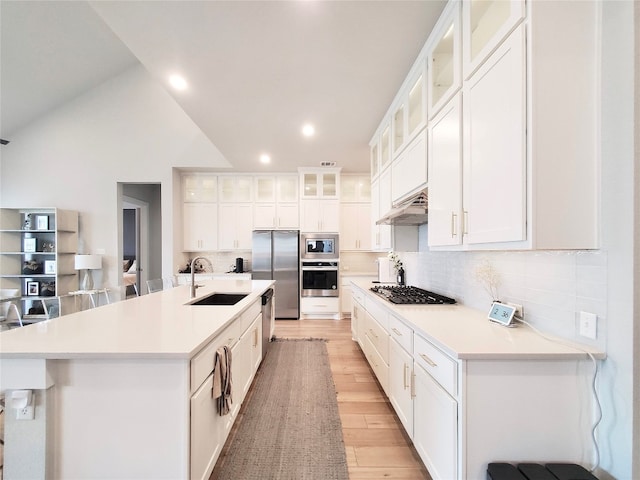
x,y
537,471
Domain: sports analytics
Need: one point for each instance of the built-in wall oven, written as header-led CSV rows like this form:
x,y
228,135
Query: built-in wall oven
x,y
319,278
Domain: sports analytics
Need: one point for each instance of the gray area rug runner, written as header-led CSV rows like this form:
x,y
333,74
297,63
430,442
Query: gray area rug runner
x,y
289,427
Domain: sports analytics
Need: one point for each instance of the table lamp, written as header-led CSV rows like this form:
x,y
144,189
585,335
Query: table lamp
x,y
88,263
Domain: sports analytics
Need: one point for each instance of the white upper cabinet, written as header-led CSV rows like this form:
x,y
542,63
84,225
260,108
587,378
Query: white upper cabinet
x,y
409,169
398,128
320,184
199,187
486,24
265,189
355,188
375,159
236,188
276,202
287,188
385,147
416,105
444,58
494,147
445,175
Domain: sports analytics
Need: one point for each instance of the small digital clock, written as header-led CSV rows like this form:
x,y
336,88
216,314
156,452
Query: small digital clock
x,y
501,313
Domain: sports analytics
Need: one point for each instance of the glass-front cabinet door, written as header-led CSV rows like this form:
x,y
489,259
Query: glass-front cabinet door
x,y
385,153
375,160
398,128
320,184
486,23
416,106
444,60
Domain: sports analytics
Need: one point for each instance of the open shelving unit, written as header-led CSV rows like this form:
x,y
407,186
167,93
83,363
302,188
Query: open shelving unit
x,y
43,237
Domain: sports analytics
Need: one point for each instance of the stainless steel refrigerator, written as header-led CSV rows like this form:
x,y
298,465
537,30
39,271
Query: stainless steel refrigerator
x,y
276,256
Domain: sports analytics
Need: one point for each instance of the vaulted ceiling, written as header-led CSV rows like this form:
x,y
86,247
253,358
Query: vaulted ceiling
x,y
256,70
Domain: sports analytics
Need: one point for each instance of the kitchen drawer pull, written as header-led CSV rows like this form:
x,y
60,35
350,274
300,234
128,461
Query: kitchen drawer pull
x,y
453,224
413,385
428,360
373,333
404,377
396,331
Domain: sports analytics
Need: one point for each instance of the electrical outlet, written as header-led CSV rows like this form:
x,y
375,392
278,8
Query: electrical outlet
x,y
25,413
588,325
519,310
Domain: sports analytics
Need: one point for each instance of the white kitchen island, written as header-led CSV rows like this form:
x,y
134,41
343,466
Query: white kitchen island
x,y
122,392
469,391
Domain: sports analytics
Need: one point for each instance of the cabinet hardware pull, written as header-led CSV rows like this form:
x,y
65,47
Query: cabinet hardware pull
x,y
396,331
465,218
413,385
404,377
453,224
428,360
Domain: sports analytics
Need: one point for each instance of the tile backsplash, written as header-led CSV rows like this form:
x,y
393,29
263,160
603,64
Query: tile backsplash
x,y
552,286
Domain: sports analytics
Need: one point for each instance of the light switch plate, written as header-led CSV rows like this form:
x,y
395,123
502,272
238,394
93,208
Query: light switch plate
x,y
588,325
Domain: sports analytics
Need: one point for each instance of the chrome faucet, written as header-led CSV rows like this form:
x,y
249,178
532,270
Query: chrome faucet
x,y
193,274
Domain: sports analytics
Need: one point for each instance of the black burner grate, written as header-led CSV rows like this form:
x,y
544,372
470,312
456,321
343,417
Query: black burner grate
x,y
410,295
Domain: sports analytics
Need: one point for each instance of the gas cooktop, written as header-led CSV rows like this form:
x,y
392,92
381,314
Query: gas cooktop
x,y
409,295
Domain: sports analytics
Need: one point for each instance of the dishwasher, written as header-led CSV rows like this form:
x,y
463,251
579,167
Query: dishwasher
x,y
267,315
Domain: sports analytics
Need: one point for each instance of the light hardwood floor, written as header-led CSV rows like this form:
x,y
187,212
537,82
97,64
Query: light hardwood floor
x,y
377,447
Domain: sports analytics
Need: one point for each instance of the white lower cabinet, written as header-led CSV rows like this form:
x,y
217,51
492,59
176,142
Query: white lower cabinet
x,y
208,429
206,433
401,385
435,426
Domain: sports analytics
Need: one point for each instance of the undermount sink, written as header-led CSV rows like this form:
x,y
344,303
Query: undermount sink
x,y
221,299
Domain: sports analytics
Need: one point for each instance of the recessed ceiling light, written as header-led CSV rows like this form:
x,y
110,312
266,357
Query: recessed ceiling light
x,y
178,82
308,130
264,158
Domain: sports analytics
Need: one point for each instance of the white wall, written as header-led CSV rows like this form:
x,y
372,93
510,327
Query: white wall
x,y
127,130
555,286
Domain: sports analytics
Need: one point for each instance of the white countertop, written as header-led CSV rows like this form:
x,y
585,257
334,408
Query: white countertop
x,y
158,325
466,333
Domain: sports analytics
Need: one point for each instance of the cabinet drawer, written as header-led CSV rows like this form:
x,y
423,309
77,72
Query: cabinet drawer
x,y
440,366
249,315
401,333
378,365
379,313
358,295
378,337
202,363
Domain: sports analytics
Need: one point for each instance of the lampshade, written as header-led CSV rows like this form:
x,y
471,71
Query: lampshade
x,y
88,262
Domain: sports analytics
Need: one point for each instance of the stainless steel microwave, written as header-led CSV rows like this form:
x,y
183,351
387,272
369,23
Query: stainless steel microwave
x,y
319,246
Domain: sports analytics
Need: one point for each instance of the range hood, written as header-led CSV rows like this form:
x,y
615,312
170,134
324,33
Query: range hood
x,y
412,211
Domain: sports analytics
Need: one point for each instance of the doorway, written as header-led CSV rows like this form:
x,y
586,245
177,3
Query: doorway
x,y
140,230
